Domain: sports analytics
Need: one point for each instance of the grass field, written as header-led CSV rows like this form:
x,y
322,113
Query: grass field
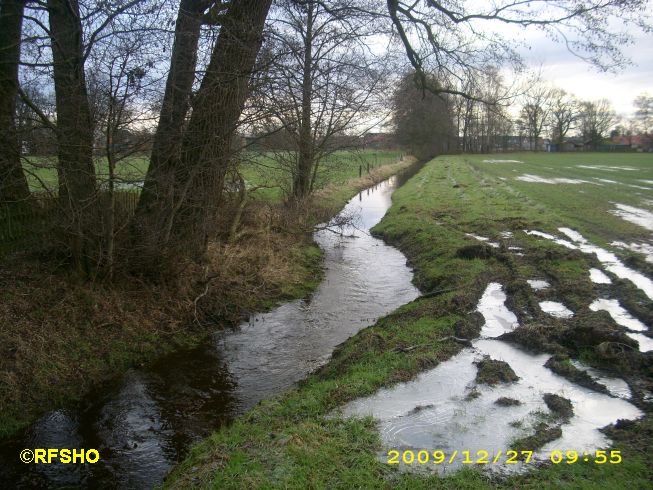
x,y
298,440
257,169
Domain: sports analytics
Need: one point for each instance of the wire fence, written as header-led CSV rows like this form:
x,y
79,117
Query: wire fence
x,y
34,222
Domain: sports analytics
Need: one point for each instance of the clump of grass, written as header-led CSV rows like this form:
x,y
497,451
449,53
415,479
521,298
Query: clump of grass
x,y
505,401
561,407
491,372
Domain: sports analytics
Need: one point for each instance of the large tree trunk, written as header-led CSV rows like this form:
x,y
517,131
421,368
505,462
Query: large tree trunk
x,y
77,184
156,200
301,185
13,185
207,144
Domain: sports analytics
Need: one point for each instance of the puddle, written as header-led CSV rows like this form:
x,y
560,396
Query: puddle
x,y
608,259
553,180
638,216
502,161
618,314
559,241
556,309
498,318
616,386
645,343
606,168
506,235
645,249
483,239
597,276
538,284
449,420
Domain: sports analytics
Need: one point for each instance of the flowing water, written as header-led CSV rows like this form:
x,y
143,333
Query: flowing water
x,y
145,421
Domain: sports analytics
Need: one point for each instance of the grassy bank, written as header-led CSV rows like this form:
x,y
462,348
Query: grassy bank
x,y
298,441
59,337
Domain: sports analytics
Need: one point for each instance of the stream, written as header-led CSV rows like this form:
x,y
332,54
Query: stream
x,y
145,421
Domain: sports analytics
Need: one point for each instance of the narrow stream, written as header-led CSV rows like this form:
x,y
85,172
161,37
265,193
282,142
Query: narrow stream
x,y
145,422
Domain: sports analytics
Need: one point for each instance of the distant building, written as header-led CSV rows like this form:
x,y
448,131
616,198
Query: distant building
x,y
379,141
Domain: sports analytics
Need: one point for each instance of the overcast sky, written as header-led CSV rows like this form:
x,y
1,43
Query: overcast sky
x,y
580,78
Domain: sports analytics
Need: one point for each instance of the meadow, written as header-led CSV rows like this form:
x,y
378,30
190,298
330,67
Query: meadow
x,y
259,170
300,440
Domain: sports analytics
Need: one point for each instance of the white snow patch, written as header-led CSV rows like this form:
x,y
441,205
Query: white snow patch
x,y
642,248
618,314
638,216
597,276
538,284
556,309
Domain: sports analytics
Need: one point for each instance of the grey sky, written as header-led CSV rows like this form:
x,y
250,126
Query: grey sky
x,y
580,78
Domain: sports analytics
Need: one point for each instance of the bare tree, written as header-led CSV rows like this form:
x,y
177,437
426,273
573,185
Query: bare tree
x,y
13,184
423,121
535,113
644,117
456,39
563,113
321,82
595,120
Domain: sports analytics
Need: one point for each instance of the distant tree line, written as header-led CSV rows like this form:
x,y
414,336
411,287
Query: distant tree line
x,y
84,79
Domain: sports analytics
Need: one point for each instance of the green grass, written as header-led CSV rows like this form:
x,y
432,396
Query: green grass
x,y
298,440
257,169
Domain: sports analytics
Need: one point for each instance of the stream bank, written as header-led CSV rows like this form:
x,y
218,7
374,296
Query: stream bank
x,y
300,441
61,338
144,421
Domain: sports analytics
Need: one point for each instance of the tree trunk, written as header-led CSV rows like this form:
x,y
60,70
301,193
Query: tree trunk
x,y
13,185
156,200
301,186
206,151
77,184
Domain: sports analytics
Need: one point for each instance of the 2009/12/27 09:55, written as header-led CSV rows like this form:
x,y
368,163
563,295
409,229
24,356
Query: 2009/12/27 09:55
x,y
511,456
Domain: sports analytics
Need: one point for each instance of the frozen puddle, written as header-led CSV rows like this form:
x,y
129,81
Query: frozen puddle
x,y
645,249
609,260
597,276
618,314
434,412
498,318
556,309
553,180
538,284
638,216
645,343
